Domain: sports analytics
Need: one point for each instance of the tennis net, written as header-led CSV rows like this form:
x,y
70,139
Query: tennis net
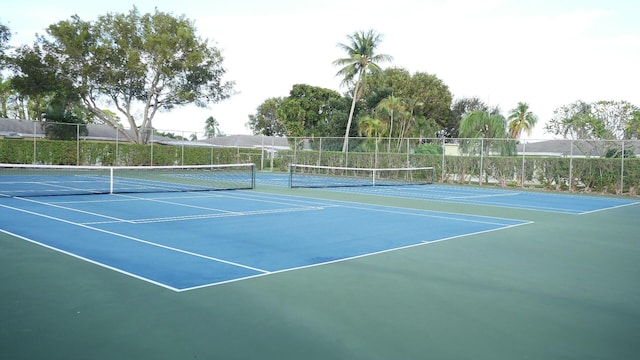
x,y
17,180
312,176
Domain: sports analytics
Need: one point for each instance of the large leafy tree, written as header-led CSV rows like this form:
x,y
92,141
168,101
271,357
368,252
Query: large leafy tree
x,y
140,64
5,36
425,97
309,111
6,93
432,102
521,119
606,120
361,59
38,81
632,129
602,120
265,121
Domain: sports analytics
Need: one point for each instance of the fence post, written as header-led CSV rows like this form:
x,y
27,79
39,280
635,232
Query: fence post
x,y
481,159
407,152
444,150
182,149
524,151
272,154
346,156
35,147
622,170
295,151
116,161
570,166
77,144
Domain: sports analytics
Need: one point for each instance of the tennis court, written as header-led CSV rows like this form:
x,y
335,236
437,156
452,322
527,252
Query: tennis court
x,y
488,196
340,273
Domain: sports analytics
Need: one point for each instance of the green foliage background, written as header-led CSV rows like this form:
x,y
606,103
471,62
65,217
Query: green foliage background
x,y
594,174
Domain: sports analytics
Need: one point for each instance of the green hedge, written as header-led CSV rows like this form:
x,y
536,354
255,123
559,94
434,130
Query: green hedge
x,y
602,175
61,152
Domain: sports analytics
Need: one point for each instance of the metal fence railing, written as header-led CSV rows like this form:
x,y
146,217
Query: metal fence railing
x,y
601,166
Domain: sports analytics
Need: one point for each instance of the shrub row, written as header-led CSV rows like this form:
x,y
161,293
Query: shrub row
x,y
61,152
595,174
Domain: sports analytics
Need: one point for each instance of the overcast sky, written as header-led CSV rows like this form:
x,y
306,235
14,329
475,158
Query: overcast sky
x,y
547,53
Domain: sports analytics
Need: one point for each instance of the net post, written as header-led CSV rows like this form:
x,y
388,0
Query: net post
x,y
111,180
253,176
291,175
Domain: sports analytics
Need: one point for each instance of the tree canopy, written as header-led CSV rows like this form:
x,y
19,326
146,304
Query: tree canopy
x,y
311,111
139,63
265,121
602,120
5,36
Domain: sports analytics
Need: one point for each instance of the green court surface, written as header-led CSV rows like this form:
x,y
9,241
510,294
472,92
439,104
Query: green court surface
x,y
564,286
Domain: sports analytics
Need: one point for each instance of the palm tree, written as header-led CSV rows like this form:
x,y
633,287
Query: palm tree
x,y
521,119
361,59
411,104
484,125
370,127
211,127
393,106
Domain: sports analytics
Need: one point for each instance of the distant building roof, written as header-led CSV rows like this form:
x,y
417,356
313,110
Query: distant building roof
x,y
580,147
248,141
30,129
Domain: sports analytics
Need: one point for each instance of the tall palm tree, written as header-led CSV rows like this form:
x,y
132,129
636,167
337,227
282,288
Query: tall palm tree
x,y
362,58
521,119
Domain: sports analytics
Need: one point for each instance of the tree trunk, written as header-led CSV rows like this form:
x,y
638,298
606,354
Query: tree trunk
x,y
345,144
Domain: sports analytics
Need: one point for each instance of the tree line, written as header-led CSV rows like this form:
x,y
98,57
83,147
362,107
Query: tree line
x,y
393,103
124,68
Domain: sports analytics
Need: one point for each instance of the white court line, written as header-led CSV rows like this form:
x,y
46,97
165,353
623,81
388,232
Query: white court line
x,y
480,196
608,208
72,209
209,216
399,210
324,203
92,261
175,203
421,243
134,239
278,201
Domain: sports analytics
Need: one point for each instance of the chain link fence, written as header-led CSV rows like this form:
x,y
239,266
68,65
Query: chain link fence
x,y
599,166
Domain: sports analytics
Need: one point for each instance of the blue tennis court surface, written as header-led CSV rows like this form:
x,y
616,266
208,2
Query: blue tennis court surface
x,y
531,200
183,241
